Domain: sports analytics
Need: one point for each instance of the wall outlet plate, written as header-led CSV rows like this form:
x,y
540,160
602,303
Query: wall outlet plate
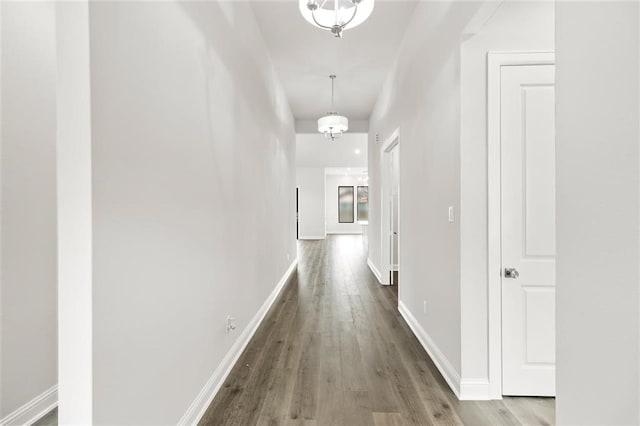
x,y
231,324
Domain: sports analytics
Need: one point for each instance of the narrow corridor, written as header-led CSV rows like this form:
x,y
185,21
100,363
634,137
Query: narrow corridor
x,y
334,350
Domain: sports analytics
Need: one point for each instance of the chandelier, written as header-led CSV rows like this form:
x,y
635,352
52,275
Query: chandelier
x,y
336,15
332,124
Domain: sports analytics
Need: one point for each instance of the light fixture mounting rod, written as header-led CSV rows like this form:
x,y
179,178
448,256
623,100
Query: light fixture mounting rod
x,y
332,77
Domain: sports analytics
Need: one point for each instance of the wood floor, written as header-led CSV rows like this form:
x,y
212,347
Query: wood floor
x,y
334,350
50,419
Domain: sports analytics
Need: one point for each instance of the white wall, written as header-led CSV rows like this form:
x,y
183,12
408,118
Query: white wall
x,y
598,172
331,204
314,153
422,98
314,150
75,236
512,27
193,152
28,204
438,102
310,181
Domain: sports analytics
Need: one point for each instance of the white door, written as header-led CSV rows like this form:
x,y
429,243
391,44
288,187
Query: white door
x,y
527,140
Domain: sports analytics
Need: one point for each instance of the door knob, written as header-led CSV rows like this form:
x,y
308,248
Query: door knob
x,y
511,273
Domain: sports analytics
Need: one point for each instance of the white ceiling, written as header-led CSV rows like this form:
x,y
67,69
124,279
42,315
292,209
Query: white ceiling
x,y
305,56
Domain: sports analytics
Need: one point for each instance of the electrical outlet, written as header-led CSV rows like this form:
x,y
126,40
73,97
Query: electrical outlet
x,y
451,214
288,256
424,306
231,324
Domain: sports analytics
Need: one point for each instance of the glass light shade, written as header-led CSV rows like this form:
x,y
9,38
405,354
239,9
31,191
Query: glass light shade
x,y
327,17
333,124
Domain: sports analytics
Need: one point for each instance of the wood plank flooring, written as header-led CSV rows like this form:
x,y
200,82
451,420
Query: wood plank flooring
x,y
333,350
49,419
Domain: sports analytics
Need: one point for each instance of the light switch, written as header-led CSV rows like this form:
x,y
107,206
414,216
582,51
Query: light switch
x,y
450,213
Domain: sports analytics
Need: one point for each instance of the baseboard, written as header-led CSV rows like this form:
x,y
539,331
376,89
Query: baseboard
x,y
439,359
474,390
345,233
33,410
375,270
205,397
310,237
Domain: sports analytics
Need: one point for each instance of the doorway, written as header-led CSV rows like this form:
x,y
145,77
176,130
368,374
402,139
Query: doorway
x,y
390,222
521,166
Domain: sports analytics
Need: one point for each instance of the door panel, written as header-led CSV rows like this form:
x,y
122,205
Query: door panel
x,y
528,229
539,307
539,169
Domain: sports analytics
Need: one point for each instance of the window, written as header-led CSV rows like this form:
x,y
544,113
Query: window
x,y
363,203
345,204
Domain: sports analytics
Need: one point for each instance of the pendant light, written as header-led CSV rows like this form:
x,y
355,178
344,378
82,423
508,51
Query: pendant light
x,y
332,124
335,15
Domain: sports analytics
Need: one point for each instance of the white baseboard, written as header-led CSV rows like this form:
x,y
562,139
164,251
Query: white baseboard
x,y
33,410
310,237
375,270
439,359
345,233
205,397
474,390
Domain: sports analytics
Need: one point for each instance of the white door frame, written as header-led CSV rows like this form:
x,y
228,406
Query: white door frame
x,y
495,62
385,223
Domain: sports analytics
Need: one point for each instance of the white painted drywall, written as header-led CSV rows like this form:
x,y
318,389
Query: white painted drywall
x,y
422,99
310,181
438,101
331,204
193,192
75,243
512,27
598,172
314,150
314,153
28,204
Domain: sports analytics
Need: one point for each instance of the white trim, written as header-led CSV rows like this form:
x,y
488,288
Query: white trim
x,y
495,61
391,141
394,267
198,407
439,359
375,271
389,144
33,410
345,233
311,237
474,390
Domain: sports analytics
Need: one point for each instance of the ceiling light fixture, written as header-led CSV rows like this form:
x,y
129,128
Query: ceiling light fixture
x,y
332,124
336,15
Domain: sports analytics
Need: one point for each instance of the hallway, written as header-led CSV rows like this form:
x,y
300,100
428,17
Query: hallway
x,y
334,350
